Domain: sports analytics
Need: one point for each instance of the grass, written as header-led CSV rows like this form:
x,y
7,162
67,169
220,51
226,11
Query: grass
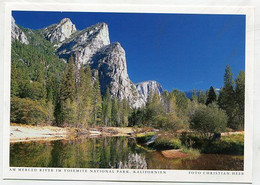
x,y
191,151
144,137
166,143
231,144
237,138
147,149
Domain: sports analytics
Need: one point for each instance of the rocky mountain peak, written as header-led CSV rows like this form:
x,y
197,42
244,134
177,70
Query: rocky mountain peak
x,y
84,44
110,61
65,20
17,33
144,88
112,49
57,33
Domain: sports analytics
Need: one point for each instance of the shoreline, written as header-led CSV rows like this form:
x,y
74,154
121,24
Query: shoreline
x,y
23,133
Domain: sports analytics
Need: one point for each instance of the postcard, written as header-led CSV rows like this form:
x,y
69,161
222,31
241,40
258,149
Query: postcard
x,y
121,93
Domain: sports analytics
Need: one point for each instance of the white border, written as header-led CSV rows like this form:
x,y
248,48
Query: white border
x,y
171,175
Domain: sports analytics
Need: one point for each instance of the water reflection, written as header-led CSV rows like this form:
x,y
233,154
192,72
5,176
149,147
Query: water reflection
x,y
155,160
110,152
135,161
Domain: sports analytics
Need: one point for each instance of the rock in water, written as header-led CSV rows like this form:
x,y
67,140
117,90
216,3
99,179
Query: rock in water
x,y
84,44
110,61
17,33
144,88
57,33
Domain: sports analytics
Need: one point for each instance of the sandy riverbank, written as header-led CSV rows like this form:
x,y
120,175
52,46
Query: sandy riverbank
x,y
19,132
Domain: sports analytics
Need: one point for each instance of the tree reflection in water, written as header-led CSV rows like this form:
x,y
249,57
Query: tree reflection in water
x,y
110,152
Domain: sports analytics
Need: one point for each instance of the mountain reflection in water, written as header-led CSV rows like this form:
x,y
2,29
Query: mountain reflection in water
x,y
135,161
110,152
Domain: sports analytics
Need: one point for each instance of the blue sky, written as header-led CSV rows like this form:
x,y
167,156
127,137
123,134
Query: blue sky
x,y
180,51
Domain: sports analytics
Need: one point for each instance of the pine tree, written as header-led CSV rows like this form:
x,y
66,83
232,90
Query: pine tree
x,y
240,99
181,100
115,115
68,86
149,112
15,90
89,83
227,100
81,99
52,95
67,95
121,113
84,97
50,112
106,107
20,82
97,102
155,108
137,117
69,113
202,98
89,96
212,97
170,103
50,86
125,112
171,113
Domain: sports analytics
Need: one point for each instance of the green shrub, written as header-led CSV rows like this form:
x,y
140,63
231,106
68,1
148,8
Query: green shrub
x,y
233,144
208,120
24,110
143,138
165,143
192,140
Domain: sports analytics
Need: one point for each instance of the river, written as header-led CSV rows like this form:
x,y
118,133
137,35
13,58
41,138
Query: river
x,y
110,152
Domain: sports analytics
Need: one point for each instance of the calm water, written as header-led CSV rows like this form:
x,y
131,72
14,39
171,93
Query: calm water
x,y
110,152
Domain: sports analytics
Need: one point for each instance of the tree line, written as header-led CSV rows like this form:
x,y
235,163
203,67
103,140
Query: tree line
x,y
206,112
67,96
81,104
46,90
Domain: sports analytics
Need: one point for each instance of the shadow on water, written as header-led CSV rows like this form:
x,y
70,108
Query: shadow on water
x,y
110,152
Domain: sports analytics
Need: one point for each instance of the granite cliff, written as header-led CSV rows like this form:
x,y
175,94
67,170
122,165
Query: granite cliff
x,y
147,87
57,33
17,33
